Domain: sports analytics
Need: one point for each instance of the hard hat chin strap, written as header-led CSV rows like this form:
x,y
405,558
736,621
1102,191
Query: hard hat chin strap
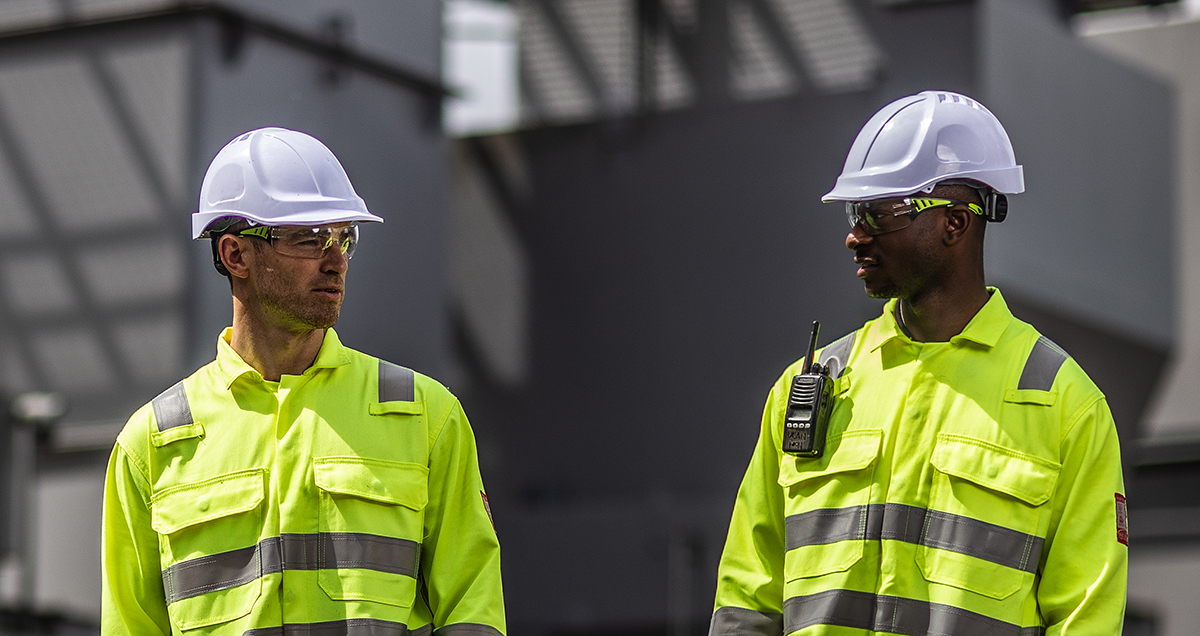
x,y
216,250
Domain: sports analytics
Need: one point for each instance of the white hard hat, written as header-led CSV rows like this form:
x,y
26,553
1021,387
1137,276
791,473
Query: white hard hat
x,y
916,142
275,176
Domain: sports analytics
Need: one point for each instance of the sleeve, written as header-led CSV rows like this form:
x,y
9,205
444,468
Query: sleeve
x,y
1082,590
460,560
749,600
132,600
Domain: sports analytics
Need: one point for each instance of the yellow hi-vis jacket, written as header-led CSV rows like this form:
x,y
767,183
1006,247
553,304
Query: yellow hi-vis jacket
x,y
967,488
344,501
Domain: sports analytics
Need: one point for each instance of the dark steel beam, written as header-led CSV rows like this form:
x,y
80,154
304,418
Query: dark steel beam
x,y
239,20
122,111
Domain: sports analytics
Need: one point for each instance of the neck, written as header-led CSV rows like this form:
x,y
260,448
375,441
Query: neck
x,y
272,349
938,316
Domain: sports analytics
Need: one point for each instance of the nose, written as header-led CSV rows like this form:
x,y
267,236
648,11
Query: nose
x,y
857,237
334,261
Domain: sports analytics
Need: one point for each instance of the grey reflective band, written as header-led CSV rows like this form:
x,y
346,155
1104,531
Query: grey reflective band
x,y
467,629
348,627
836,354
739,621
911,524
171,408
323,551
396,383
894,615
1042,366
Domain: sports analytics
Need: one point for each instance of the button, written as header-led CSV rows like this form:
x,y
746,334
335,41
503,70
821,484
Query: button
x,y
377,485
993,470
202,504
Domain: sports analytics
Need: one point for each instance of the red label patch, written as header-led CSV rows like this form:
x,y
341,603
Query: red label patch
x,y
1122,520
488,508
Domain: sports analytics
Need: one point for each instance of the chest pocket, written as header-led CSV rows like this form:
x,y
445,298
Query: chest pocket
x,y
984,530
371,524
825,499
208,533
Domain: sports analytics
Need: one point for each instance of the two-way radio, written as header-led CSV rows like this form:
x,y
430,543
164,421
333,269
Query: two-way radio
x,y
809,404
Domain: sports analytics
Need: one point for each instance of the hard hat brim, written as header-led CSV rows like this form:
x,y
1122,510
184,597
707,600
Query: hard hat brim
x,y
1005,181
323,216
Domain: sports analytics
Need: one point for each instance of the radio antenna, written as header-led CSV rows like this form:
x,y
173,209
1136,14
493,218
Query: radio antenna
x,y
812,349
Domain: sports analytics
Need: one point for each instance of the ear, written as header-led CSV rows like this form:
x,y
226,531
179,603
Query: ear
x,y
236,254
958,222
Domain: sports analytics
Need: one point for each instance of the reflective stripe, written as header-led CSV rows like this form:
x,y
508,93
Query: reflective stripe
x,y
911,524
396,383
836,354
894,615
324,551
739,621
468,629
348,627
171,408
1042,365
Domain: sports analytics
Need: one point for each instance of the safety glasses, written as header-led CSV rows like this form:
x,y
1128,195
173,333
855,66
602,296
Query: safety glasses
x,y
307,241
888,215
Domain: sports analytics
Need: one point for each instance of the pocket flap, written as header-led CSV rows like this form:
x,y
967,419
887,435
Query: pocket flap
x,y
1031,396
183,506
406,408
398,483
853,450
1028,478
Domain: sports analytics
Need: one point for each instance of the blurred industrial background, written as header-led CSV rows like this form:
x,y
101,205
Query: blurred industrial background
x,y
604,233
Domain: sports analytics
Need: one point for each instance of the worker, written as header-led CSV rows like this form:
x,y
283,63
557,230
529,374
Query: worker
x,y
967,481
294,486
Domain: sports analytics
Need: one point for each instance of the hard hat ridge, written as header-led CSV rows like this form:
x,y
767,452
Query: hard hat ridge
x,y
920,140
275,176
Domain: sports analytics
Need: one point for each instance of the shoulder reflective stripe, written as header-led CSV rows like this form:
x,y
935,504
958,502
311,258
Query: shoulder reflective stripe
x,y
324,551
348,627
171,408
1042,366
730,621
396,383
837,354
467,629
910,524
894,615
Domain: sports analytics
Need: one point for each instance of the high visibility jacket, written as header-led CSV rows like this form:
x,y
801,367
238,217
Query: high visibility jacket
x,y
346,500
967,488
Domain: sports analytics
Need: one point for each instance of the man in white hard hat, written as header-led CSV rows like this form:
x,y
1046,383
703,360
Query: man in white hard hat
x,y
294,485
967,479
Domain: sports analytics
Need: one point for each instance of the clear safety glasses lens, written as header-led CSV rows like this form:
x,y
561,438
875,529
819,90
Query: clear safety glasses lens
x,y
311,242
889,215
307,241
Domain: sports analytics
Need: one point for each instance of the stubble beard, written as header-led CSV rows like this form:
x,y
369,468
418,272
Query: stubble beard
x,y
292,307
925,271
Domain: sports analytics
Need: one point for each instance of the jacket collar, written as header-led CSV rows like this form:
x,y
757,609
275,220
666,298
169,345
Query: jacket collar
x,y
230,366
985,328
